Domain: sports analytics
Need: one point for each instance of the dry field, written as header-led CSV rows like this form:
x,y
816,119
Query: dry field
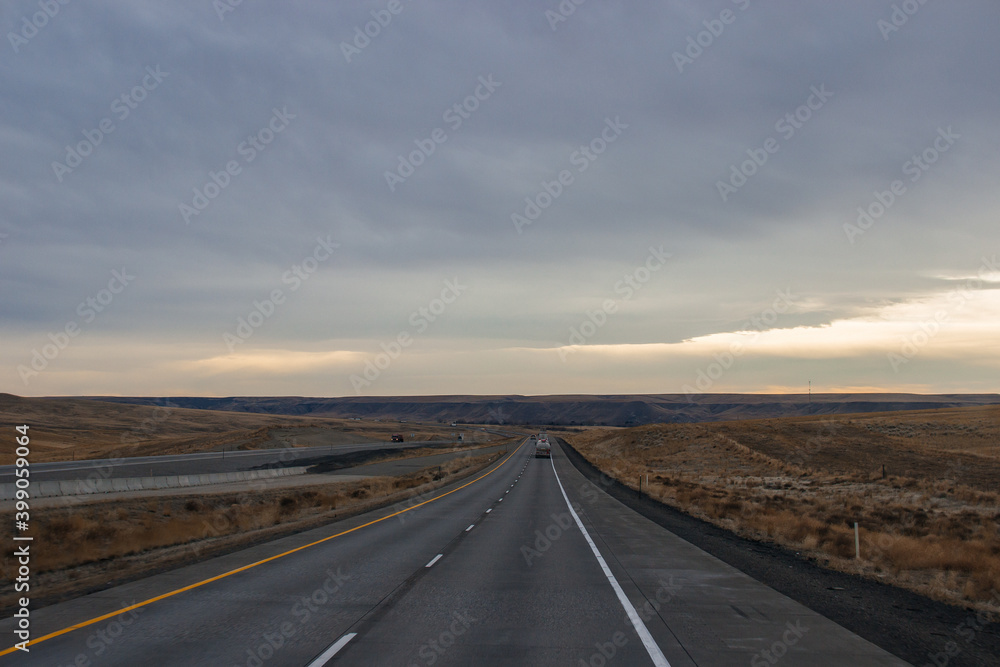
x,y
930,523
65,429
116,541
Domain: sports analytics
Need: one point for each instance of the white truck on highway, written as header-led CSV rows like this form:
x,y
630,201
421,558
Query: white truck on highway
x,y
542,447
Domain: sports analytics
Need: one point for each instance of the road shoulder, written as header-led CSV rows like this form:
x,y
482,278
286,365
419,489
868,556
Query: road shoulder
x,y
903,623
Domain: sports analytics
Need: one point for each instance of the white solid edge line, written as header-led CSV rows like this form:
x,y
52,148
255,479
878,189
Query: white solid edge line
x,y
434,560
647,639
332,651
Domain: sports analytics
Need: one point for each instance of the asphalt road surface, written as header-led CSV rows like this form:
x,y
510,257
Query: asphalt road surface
x,y
495,570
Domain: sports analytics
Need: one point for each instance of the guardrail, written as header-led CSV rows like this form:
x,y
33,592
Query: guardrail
x,y
79,487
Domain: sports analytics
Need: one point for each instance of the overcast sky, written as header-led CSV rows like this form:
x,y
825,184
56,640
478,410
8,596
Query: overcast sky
x,y
381,198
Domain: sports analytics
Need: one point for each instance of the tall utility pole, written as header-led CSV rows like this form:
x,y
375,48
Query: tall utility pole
x,y
810,391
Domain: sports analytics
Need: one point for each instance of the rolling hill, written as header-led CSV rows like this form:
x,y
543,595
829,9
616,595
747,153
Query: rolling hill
x,y
575,410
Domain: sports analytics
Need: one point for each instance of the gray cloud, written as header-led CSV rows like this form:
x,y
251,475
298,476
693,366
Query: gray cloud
x,y
324,174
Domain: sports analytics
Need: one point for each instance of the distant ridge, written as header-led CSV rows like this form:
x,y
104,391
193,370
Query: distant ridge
x,y
574,410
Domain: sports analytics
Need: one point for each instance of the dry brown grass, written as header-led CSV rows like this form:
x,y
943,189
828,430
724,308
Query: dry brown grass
x,y
931,524
80,547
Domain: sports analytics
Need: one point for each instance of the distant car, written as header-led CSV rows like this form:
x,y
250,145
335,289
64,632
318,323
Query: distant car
x,y
396,437
534,437
543,449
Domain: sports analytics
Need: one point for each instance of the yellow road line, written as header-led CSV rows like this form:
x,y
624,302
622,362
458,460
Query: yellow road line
x,y
137,605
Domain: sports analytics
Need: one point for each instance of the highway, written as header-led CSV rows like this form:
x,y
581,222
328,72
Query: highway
x,y
525,563
199,462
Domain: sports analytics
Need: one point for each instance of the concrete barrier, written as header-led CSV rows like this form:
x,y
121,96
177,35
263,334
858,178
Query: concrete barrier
x,y
120,484
66,488
45,489
98,486
74,488
93,486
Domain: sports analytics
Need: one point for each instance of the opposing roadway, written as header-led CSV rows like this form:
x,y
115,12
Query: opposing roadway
x,y
202,462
